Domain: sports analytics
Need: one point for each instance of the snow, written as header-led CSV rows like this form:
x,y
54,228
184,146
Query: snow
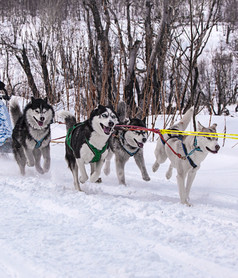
x,y
47,229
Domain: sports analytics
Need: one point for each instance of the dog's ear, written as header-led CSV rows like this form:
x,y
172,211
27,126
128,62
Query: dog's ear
x,y
45,99
214,126
32,99
200,126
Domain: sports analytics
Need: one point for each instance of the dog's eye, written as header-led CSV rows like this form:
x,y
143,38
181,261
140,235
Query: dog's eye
x,y
209,138
104,115
37,111
113,116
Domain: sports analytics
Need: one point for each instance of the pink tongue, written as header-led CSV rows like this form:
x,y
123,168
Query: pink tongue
x,y
140,145
40,123
106,129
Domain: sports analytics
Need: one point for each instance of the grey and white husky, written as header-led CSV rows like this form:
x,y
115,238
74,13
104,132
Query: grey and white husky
x,y
87,142
31,134
125,144
194,149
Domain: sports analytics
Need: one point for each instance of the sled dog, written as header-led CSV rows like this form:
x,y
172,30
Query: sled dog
x,y
31,133
125,144
194,149
87,142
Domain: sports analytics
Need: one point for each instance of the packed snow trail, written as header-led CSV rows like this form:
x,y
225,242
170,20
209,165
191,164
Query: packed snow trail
x,y
47,229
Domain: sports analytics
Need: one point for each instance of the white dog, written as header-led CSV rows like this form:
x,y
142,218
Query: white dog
x,y
194,149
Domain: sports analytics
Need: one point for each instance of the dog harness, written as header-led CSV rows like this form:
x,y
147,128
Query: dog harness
x,y
192,151
121,141
187,155
97,153
39,142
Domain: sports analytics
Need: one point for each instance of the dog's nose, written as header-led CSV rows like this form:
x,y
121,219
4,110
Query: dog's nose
x,y
111,124
217,147
42,119
144,140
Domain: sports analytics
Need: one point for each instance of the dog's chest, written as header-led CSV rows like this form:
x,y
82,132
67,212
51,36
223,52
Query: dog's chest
x,y
88,155
38,139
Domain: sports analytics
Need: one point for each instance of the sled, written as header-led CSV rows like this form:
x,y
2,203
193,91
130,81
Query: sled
x,y
5,127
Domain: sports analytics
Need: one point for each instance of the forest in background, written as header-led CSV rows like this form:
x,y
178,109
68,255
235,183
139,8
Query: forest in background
x,y
150,53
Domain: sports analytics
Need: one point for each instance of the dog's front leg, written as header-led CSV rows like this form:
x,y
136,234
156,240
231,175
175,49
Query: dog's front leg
x,y
97,170
46,156
139,159
160,155
30,161
181,186
191,176
37,156
82,170
120,169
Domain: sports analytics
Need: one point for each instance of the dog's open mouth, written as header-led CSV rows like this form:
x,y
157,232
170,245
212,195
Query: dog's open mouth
x,y
40,123
106,129
215,151
139,144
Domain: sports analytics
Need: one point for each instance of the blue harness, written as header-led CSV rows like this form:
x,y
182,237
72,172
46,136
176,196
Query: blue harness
x,y
122,139
187,155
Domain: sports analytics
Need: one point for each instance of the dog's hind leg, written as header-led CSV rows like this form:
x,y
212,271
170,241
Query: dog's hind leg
x,y
169,172
46,155
107,167
139,159
37,156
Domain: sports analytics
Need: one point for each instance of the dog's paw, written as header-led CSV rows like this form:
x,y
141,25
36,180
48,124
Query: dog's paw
x,y
94,177
30,163
146,178
106,171
40,170
83,179
169,174
155,167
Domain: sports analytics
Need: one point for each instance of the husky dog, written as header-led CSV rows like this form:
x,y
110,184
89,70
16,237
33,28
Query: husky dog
x,y
31,134
193,148
87,142
125,144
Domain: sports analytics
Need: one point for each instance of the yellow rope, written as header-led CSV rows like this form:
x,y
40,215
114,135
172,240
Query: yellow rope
x,y
197,133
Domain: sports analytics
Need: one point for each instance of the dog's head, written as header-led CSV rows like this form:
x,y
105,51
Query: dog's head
x,y
103,120
208,143
39,114
136,138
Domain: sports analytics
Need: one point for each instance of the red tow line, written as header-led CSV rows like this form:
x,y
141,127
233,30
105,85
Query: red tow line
x,y
154,130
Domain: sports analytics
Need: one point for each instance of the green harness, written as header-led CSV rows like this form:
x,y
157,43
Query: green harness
x,y
97,153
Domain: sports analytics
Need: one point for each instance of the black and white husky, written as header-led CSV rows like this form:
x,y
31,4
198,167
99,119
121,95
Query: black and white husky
x,y
125,144
31,134
194,149
87,142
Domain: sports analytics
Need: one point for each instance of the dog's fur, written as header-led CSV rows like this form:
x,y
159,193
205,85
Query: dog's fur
x,y
126,143
31,134
185,171
97,130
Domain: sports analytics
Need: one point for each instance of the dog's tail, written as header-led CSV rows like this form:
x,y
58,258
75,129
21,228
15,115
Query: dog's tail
x,y
15,110
183,123
69,119
121,111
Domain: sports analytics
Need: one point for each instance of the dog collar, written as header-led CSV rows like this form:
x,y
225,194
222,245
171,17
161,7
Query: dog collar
x,y
122,144
97,153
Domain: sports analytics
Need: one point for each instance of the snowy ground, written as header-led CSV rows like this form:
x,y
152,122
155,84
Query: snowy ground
x,y
47,229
